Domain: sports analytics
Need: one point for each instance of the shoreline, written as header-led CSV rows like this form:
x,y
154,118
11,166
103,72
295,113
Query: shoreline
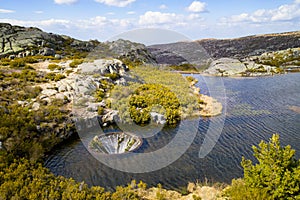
x,y
211,106
235,76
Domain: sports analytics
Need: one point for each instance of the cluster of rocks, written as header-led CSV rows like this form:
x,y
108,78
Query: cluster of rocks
x,y
235,67
132,51
266,64
104,66
17,41
80,86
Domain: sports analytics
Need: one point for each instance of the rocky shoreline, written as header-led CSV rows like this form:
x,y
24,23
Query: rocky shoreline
x,y
82,82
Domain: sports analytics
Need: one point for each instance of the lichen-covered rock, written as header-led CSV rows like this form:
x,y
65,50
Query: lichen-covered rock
x,y
103,66
226,67
30,41
35,106
49,92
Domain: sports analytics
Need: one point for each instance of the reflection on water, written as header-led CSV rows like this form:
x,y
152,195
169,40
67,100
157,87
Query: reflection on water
x,y
256,108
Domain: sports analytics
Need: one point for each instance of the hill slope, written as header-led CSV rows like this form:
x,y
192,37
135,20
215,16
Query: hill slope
x,y
238,48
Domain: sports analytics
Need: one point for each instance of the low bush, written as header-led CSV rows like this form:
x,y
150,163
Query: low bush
x,y
17,63
76,62
54,76
52,67
275,176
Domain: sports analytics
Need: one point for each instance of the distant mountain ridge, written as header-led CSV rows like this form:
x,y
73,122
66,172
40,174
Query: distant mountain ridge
x,y
251,45
238,48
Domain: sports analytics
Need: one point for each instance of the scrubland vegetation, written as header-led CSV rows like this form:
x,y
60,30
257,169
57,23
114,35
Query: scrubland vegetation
x,y
27,134
155,90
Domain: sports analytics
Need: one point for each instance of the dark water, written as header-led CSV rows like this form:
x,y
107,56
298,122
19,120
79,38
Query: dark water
x,y
256,109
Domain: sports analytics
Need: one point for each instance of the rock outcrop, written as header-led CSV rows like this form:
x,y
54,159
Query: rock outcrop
x,y
135,52
22,41
104,66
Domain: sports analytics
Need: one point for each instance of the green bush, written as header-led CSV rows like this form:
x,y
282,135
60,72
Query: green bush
x,y
54,66
54,77
184,67
100,110
167,88
68,72
17,63
113,76
31,59
76,62
25,180
4,61
191,79
99,95
277,171
195,197
239,190
149,95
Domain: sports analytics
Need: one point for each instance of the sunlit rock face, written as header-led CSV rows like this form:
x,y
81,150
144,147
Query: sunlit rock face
x,y
115,143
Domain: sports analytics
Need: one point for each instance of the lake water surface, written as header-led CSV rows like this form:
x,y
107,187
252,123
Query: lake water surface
x,y
255,108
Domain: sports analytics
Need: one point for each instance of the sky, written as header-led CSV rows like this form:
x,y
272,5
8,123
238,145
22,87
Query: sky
x,y
105,19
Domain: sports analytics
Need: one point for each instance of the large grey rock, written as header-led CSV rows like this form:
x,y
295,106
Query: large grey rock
x,y
49,92
103,66
60,96
35,106
158,118
47,52
226,67
109,117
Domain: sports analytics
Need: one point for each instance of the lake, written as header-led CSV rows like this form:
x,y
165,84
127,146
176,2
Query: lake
x,y
255,109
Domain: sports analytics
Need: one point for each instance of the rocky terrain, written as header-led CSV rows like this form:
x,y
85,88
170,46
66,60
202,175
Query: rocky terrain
x,y
251,45
17,41
247,56
268,63
21,41
238,48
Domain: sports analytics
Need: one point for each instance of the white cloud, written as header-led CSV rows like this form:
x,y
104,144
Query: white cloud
x,y
286,12
42,23
118,3
85,29
68,2
163,7
6,11
131,13
194,16
197,6
154,18
39,12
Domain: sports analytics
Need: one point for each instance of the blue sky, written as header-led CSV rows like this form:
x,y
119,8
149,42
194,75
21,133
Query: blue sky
x,y
103,19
